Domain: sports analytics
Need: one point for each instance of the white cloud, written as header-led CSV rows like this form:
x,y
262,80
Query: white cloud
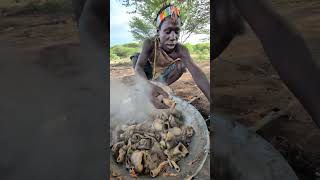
x,y
119,14
119,22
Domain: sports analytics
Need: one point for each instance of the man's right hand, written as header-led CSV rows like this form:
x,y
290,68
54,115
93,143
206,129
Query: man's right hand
x,y
155,93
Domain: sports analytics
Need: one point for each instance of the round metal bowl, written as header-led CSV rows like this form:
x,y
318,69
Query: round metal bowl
x,y
241,154
198,149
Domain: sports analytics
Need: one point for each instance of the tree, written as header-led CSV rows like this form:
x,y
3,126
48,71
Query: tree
x,y
195,16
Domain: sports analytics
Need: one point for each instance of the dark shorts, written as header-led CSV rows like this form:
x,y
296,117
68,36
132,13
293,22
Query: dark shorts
x,y
147,68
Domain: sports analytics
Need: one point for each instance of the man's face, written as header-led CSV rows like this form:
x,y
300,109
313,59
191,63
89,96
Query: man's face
x,y
169,34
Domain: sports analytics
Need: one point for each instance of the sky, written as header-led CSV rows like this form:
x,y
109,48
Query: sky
x,y
119,26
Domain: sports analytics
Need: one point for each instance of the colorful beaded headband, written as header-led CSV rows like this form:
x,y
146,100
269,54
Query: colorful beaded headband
x,y
169,11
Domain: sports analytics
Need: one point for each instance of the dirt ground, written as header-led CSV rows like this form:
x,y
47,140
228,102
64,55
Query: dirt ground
x,y
248,88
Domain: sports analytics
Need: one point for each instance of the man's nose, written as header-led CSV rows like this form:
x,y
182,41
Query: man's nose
x,y
173,36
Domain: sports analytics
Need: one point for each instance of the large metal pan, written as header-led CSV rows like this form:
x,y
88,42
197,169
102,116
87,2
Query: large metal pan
x,y
241,154
199,147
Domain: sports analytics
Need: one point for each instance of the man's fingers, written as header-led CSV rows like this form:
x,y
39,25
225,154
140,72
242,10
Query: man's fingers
x,y
156,92
179,67
159,91
163,93
157,103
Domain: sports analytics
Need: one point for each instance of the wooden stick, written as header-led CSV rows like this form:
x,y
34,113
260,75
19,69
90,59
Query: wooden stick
x,y
193,99
271,116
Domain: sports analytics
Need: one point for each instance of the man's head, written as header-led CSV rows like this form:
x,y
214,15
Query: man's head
x,y
168,27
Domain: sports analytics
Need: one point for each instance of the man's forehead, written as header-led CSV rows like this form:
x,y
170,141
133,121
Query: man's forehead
x,y
169,23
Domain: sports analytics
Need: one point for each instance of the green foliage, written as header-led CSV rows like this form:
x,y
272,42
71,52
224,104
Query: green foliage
x,y
198,48
189,46
199,52
114,57
119,52
132,45
141,29
201,48
195,16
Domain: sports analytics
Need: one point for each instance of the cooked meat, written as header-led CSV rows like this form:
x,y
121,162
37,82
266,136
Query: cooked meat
x,y
147,148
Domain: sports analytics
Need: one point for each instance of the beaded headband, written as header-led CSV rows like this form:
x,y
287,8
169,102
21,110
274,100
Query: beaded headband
x,y
172,11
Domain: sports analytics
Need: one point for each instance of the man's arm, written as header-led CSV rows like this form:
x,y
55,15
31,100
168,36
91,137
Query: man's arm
x,y
178,72
143,58
287,52
139,69
198,76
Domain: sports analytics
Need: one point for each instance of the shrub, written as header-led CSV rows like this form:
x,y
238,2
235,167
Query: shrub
x,y
122,51
114,57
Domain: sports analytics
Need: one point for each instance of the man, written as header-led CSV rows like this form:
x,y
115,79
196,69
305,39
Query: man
x,y
167,58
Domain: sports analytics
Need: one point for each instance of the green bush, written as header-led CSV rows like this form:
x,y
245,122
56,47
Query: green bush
x,y
201,47
114,57
199,52
122,51
132,45
190,47
206,51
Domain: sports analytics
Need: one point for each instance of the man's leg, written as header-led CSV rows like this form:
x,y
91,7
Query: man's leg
x,y
134,59
147,69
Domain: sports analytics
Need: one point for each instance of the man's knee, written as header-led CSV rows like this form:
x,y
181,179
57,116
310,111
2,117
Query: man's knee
x,y
134,59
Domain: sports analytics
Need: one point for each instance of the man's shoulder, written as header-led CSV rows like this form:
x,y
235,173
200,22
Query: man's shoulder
x,y
148,43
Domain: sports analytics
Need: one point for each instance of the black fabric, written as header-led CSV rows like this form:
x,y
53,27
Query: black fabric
x,y
147,68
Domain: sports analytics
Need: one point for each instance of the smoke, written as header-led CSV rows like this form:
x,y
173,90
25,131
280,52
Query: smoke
x,y
129,103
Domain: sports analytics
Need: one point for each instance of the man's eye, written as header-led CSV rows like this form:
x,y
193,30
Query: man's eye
x,y
167,32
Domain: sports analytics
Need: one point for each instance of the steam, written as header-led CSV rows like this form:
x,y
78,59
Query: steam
x,y
129,103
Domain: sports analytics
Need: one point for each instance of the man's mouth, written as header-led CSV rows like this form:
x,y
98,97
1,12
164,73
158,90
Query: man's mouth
x,y
171,46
